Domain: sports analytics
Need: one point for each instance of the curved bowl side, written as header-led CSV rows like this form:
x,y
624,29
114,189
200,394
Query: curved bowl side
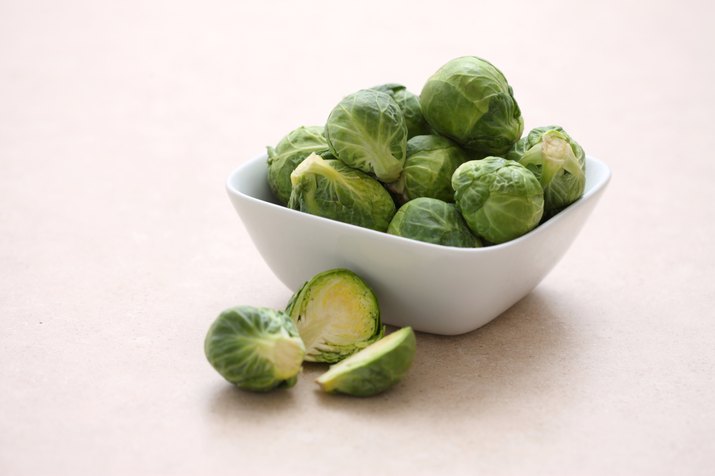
x,y
436,289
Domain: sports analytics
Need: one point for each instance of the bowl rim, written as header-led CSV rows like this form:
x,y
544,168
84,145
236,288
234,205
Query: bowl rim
x,y
604,179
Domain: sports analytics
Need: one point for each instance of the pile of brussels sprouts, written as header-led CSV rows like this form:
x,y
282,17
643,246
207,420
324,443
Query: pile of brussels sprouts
x,y
448,167
334,318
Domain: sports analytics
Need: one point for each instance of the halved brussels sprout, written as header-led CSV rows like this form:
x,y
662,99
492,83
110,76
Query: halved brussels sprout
x,y
499,199
255,348
431,161
469,100
367,131
432,221
558,162
331,189
410,105
373,369
290,152
336,314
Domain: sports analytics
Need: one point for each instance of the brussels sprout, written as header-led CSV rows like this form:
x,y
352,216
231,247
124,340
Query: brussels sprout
x,y
255,348
373,369
557,161
290,152
432,221
469,100
499,199
331,189
410,105
336,314
367,131
431,161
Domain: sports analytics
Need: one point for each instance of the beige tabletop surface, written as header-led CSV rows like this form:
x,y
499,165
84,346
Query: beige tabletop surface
x,y
119,123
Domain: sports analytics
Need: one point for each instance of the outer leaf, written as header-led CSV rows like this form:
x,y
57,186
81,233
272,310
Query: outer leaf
x,y
331,189
557,161
410,105
291,151
367,131
432,221
469,100
499,199
431,161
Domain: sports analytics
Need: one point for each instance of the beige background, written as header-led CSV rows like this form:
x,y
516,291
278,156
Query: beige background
x,y
119,123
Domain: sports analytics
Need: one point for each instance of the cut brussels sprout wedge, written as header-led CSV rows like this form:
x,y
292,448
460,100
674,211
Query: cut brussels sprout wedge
x,y
558,162
373,369
255,348
499,199
336,314
331,189
367,131
291,151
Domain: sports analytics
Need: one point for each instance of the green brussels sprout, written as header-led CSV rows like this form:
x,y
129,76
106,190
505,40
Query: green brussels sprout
x,y
290,152
432,221
469,100
336,314
410,105
431,161
331,189
255,348
558,162
367,131
499,199
374,369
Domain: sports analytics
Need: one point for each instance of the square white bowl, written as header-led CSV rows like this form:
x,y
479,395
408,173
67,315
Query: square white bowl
x,y
433,288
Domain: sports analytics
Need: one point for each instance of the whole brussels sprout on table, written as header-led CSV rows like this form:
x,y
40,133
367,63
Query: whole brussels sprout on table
x,y
255,348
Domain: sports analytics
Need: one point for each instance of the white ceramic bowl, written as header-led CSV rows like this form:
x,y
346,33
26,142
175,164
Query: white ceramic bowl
x,y
436,289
